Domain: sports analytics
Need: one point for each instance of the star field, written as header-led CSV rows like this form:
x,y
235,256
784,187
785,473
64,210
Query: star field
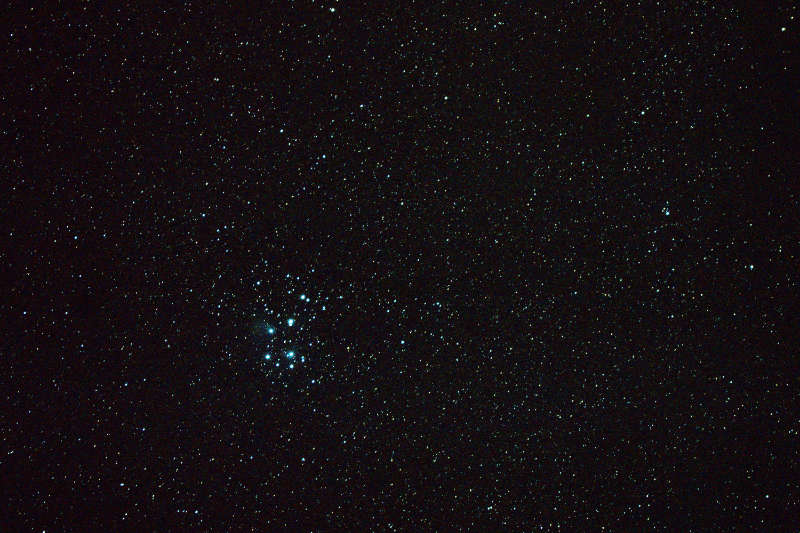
x,y
327,266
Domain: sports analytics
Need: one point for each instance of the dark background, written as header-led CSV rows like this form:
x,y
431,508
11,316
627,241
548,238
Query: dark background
x,y
581,221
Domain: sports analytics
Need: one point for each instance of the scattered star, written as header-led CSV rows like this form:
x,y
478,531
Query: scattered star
x,y
442,266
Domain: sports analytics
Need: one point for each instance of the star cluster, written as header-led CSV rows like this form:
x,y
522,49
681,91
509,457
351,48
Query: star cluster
x,y
410,266
284,331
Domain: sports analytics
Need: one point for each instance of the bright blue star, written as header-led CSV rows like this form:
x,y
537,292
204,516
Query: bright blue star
x,y
267,357
290,322
290,355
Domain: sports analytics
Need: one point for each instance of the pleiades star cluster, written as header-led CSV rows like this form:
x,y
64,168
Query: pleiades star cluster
x,y
284,334
427,266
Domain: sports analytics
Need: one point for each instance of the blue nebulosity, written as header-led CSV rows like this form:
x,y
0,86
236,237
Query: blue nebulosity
x,y
286,328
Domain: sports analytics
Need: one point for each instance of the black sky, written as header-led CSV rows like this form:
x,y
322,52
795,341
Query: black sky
x,y
548,259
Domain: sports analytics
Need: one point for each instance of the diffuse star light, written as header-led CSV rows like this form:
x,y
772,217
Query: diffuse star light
x,y
285,335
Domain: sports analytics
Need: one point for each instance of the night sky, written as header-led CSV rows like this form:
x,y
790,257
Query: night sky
x,y
325,266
